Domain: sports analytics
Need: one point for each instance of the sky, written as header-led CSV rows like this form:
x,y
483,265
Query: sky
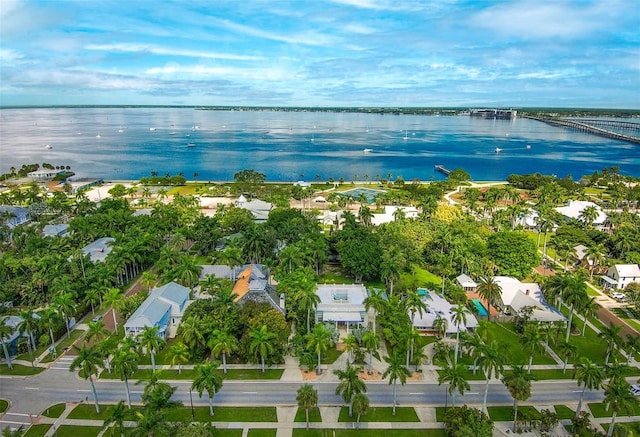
x,y
345,53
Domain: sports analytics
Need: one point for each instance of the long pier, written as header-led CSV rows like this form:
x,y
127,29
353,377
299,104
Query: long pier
x,y
442,169
588,126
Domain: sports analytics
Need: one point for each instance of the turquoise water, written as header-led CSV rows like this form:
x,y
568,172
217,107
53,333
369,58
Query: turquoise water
x,y
482,311
130,143
369,193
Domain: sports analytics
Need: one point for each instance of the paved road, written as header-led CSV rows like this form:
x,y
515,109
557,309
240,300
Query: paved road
x,y
31,395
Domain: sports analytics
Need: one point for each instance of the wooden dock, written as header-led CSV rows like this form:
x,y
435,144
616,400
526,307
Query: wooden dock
x,y
442,169
585,126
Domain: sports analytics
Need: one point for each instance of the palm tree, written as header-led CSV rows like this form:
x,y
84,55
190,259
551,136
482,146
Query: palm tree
x,y
459,318
305,295
179,354
454,375
589,308
530,340
372,342
221,342
360,404
307,398
440,325
112,298
262,343
207,379
611,336
151,342
392,263
596,254
187,271
92,297
574,294
117,415
319,340
588,374
49,318
65,304
350,384
192,329
396,371
491,292
376,301
633,344
518,382
350,345
619,397
87,360
27,326
5,332
472,343
491,360
95,330
125,364
567,350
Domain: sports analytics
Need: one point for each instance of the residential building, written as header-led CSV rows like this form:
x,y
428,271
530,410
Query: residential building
x,y
342,304
59,230
252,285
258,208
44,174
163,308
467,283
13,216
389,214
574,209
99,249
620,275
516,296
439,308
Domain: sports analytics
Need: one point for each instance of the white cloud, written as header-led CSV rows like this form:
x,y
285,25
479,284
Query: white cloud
x,y
8,55
157,50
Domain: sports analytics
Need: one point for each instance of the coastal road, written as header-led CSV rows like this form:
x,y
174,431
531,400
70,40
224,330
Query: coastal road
x,y
31,395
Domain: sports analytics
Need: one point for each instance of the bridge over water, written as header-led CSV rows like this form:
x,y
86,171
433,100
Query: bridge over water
x,y
618,130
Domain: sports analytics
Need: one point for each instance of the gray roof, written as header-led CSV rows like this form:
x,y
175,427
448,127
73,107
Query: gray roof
x,y
171,291
53,230
466,281
154,307
99,249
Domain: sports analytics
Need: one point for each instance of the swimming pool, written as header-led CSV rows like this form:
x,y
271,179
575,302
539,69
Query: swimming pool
x,y
369,193
482,311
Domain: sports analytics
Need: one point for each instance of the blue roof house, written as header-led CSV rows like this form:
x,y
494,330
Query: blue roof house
x,y
163,308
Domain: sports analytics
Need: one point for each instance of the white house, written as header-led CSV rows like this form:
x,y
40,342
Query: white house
x,y
439,308
467,283
258,208
620,275
574,209
516,296
163,308
44,174
342,304
388,215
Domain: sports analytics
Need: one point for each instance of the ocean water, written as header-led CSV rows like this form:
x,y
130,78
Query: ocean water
x,y
118,143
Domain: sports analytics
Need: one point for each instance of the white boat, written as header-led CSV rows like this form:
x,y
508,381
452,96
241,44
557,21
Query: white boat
x,y
48,146
368,150
498,150
172,133
528,146
152,129
98,136
191,145
406,137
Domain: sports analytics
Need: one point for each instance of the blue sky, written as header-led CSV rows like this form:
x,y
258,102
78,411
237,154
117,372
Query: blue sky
x,y
321,53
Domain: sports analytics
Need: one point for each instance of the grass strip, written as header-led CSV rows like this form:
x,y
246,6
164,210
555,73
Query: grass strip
x,y
20,370
37,430
314,415
54,411
381,414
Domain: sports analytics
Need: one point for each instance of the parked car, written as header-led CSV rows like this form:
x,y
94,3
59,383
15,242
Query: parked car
x,y
618,296
97,318
635,390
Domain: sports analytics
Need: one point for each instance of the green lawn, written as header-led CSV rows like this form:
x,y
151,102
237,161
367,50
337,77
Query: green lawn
x,y
633,427
190,374
381,414
88,411
314,415
54,411
597,410
77,431
301,432
65,343
334,278
543,374
19,370
3,405
505,414
38,430
564,412
504,333
330,356
262,432
224,414
419,277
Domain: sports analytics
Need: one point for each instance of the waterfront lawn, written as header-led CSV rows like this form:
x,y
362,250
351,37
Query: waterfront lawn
x,y
75,431
597,411
314,415
504,333
564,412
37,430
224,414
54,411
261,432
381,414
19,370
